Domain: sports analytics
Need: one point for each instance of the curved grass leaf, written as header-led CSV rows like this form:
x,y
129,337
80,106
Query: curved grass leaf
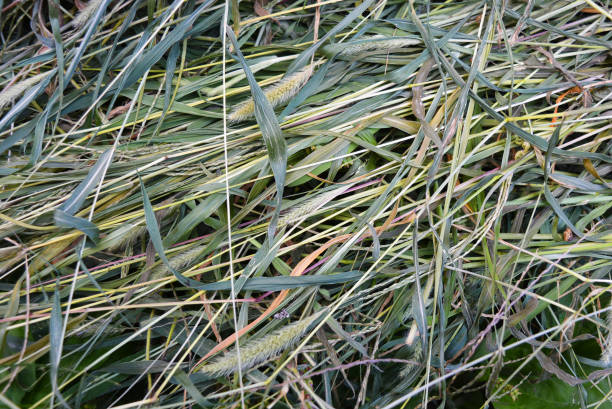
x,y
287,282
554,204
23,103
55,343
148,59
183,379
94,176
533,139
66,220
11,309
78,53
155,237
565,33
270,132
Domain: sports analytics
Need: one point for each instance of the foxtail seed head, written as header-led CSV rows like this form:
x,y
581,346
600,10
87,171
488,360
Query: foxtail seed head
x,y
258,351
125,236
84,15
177,261
307,208
375,43
416,355
12,92
277,94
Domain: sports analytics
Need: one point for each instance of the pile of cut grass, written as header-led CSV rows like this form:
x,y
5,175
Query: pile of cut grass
x,y
324,204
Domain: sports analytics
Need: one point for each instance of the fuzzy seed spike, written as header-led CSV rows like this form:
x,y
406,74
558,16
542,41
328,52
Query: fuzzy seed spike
x,y
258,351
375,43
307,208
84,15
277,94
126,235
12,92
177,261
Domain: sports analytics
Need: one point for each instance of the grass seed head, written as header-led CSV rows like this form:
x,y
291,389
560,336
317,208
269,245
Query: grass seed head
x,y
84,15
307,208
417,352
125,236
177,261
375,43
257,351
277,94
12,92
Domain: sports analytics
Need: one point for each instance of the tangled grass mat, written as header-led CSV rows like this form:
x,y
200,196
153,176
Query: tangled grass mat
x,y
305,204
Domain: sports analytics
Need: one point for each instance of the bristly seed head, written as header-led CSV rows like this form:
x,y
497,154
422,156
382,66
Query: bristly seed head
x,y
309,207
257,351
375,43
125,236
416,355
178,261
11,93
277,94
84,15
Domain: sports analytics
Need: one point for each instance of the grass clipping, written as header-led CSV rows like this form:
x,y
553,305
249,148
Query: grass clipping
x,y
416,155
